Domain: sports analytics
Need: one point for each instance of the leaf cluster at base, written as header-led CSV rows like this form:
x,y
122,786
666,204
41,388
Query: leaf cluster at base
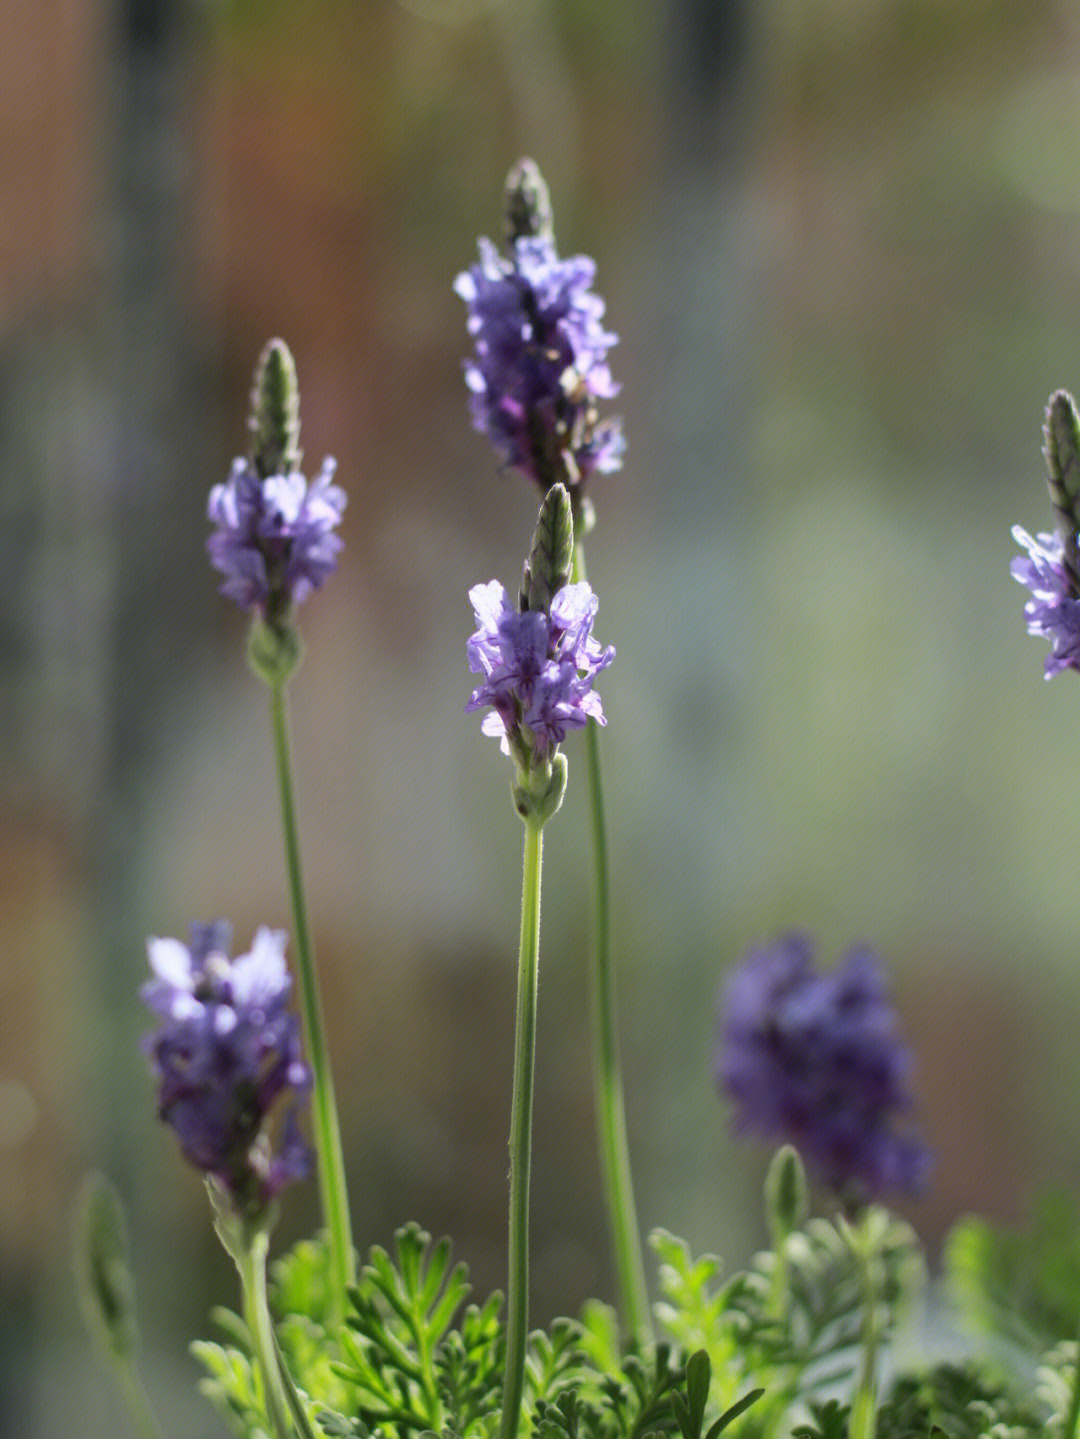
x,y
769,1353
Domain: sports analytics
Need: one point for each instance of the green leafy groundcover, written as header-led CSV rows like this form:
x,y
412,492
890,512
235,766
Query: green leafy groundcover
x,y
766,1352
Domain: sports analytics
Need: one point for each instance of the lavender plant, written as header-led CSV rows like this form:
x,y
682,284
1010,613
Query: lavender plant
x,y
538,661
810,1060
537,379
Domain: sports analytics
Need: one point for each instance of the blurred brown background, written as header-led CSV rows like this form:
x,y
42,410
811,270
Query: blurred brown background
x,y
840,240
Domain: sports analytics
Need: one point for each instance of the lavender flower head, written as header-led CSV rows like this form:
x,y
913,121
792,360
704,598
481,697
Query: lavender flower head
x,y
1051,568
274,539
226,1051
541,362
814,1060
1054,609
538,667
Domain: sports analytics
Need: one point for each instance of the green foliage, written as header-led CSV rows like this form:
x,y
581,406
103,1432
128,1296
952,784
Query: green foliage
x,y
402,1312
414,1359
829,1421
793,1321
765,1354
231,1382
960,1401
1022,1286
1055,1381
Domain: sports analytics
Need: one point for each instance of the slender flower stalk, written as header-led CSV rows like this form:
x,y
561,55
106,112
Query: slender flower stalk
x,y
538,378
865,1235
537,663
275,542
607,1070
330,1157
1052,574
517,1324
251,1264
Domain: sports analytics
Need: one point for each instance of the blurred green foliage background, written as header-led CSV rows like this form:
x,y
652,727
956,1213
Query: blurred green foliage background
x,y
840,241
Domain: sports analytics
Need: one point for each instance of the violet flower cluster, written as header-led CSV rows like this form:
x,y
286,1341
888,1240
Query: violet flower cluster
x,y
538,668
541,362
274,539
1054,609
814,1060
227,1050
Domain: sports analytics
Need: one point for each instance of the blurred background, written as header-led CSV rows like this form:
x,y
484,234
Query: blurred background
x,y
840,241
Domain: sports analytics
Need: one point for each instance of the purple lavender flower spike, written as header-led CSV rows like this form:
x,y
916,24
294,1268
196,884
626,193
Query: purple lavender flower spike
x,y
538,668
814,1060
541,362
274,539
226,1051
1054,609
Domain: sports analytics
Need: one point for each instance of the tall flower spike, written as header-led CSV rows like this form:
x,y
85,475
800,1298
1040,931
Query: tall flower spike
x,y
540,366
274,538
227,1050
1051,570
814,1060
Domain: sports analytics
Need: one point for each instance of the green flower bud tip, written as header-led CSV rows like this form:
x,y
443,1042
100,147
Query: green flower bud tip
x,y
527,204
1061,434
102,1272
785,1194
547,569
275,413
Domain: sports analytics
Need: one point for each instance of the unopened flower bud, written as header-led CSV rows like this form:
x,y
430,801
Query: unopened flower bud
x,y
551,555
1061,434
785,1194
275,413
527,204
102,1269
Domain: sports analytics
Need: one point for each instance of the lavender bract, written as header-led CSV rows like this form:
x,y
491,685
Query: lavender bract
x,y
1054,609
275,539
541,362
226,1051
814,1060
538,667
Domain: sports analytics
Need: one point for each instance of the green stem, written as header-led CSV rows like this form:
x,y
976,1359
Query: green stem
x,y
607,1071
865,1403
138,1402
517,1327
331,1159
251,1262
292,1397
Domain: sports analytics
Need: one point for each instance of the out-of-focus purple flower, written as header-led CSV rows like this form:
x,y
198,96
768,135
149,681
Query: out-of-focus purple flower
x,y
1053,610
538,667
274,539
541,362
226,1051
814,1060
